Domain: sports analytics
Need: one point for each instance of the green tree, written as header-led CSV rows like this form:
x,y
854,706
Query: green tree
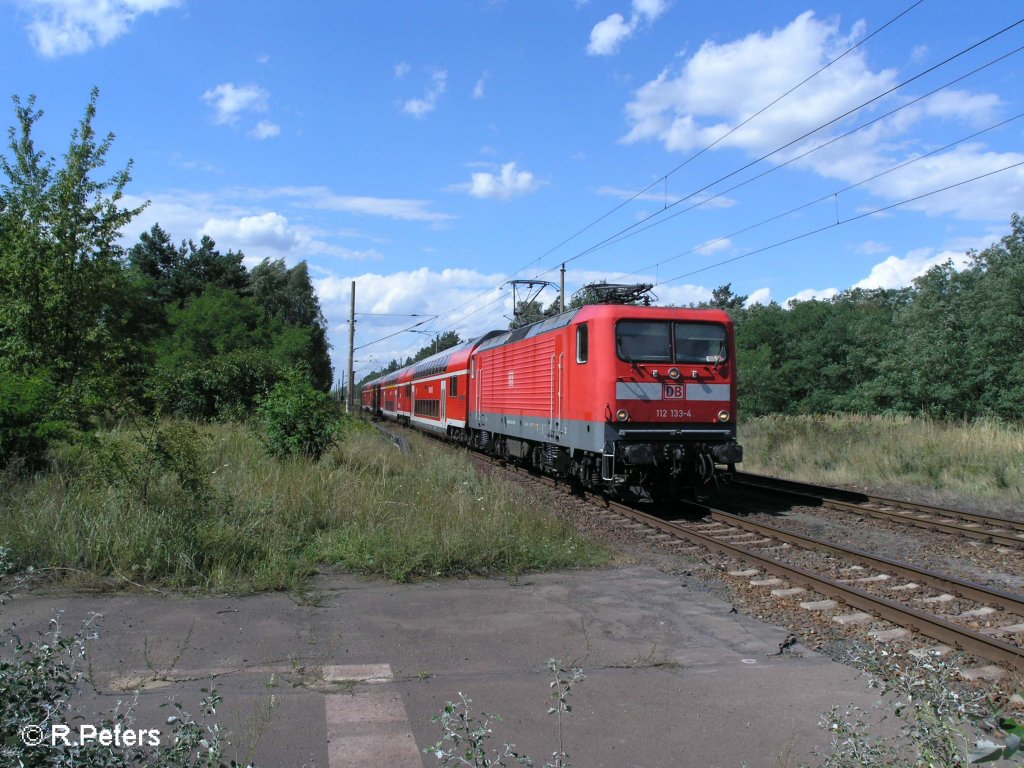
x,y
960,340
65,301
214,323
173,275
287,296
723,297
155,259
203,265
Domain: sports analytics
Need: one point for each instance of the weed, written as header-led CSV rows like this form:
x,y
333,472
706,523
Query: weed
x,y
465,735
162,671
41,680
938,722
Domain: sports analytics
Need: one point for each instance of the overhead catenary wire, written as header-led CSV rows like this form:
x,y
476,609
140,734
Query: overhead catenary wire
x,y
816,230
727,134
630,231
396,333
665,177
840,223
798,139
704,201
832,194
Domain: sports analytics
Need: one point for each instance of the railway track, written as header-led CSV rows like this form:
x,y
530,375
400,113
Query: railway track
x,y
998,530
846,576
858,585
858,590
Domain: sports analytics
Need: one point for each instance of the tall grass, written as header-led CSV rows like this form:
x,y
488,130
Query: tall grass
x,y
205,506
982,460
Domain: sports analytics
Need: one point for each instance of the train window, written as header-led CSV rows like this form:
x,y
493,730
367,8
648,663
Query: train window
x,y
700,343
453,386
643,341
408,390
582,342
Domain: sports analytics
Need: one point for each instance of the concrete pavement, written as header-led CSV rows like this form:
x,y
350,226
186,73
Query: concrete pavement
x,y
353,676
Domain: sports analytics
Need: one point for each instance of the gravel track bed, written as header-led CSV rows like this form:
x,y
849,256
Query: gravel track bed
x,y
991,565
708,572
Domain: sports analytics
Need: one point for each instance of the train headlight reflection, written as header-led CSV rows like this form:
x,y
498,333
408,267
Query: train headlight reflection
x,y
622,414
723,415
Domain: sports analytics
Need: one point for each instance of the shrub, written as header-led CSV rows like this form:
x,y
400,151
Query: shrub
x,y
297,419
228,387
27,419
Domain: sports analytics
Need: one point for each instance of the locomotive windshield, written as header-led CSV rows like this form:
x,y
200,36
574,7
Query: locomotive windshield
x,y
644,341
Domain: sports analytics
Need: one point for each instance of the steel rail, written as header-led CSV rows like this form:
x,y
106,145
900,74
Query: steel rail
x,y
832,492
965,589
824,495
926,624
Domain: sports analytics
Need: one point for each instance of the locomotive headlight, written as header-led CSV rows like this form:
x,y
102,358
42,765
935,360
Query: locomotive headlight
x,y
723,415
622,414
673,373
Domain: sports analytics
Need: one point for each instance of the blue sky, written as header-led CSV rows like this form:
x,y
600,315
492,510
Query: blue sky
x,y
432,151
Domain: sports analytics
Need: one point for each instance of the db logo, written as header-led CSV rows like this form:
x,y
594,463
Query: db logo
x,y
674,392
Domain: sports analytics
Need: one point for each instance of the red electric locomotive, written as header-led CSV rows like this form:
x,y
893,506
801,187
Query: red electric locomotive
x,y
632,400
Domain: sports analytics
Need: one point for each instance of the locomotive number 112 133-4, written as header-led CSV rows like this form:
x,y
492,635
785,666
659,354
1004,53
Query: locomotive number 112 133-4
x,y
673,413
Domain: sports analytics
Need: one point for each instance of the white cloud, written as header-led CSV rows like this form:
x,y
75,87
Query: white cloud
x,y
990,198
607,35
895,272
229,101
656,196
234,221
437,86
975,108
809,294
265,130
401,70
61,27
478,89
403,209
723,84
682,295
506,184
454,294
714,246
268,230
760,296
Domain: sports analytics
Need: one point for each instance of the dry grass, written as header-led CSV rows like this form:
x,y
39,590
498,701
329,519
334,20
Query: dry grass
x,y
980,461
236,518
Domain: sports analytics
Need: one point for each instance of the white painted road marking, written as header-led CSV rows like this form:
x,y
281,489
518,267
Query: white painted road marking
x,y
368,727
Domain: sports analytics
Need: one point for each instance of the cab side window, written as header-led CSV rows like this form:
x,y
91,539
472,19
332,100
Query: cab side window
x,y
582,343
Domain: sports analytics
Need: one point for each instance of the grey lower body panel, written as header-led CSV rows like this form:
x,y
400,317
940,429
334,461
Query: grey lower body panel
x,y
591,436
